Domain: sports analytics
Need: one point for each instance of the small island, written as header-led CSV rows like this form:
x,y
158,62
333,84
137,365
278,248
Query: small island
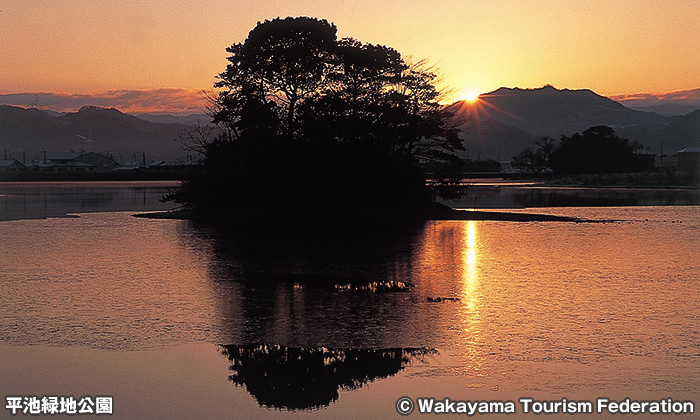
x,y
309,126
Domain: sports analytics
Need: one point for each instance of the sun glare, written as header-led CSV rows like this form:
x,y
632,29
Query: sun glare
x,y
470,96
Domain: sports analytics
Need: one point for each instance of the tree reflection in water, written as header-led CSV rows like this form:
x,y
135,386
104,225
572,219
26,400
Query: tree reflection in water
x,y
336,300
299,378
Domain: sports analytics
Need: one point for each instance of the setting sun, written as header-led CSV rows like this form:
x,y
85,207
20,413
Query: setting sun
x,y
469,96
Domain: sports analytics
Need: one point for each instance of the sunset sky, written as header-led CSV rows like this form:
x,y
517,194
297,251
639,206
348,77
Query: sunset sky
x,y
160,53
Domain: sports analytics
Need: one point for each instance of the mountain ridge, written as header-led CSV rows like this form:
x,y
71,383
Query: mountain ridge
x,y
547,111
30,132
498,125
675,103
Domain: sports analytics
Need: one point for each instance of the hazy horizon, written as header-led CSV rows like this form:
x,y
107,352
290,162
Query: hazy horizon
x,y
177,101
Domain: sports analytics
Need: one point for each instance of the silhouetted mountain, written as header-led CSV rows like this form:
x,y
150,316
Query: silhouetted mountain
x,y
91,129
497,126
502,123
190,119
492,139
553,112
676,103
668,110
681,132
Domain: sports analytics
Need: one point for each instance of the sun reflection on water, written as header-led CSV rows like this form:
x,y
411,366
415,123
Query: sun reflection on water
x,y
469,268
470,316
470,250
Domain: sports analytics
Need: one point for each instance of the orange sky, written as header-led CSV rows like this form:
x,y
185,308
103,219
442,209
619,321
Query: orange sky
x,y
609,46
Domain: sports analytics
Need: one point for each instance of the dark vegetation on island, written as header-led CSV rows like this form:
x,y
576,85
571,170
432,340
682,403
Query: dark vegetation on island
x,y
313,123
310,126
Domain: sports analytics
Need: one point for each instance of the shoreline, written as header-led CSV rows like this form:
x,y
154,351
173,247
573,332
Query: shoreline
x,y
440,212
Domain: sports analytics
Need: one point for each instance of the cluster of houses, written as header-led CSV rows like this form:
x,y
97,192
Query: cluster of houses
x,y
86,162
687,159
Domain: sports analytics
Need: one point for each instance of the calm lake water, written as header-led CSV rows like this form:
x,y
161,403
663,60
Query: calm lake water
x,y
183,320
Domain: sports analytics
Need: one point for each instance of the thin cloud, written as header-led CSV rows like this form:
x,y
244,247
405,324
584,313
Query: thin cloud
x,y
690,97
154,101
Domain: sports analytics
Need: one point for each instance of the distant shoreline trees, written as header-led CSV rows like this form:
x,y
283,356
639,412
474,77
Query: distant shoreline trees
x,y
596,150
313,121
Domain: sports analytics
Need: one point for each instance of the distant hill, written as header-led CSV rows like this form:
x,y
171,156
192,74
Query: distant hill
x,y
31,132
675,103
189,119
668,110
681,132
492,139
498,126
502,123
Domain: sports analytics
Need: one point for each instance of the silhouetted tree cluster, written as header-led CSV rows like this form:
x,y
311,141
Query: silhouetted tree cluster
x,y
316,121
296,378
535,160
596,150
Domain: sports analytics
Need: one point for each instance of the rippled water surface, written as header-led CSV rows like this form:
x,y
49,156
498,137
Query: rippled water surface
x,y
37,200
184,320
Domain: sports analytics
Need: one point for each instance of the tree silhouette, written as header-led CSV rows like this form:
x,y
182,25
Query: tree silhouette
x,y
282,62
536,160
598,150
313,121
302,378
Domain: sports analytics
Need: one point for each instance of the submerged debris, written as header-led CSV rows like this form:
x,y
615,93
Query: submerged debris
x,y
375,286
442,299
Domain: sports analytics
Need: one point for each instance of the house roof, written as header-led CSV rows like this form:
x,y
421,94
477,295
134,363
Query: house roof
x,y
8,162
64,165
66,156
79,164
692,149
